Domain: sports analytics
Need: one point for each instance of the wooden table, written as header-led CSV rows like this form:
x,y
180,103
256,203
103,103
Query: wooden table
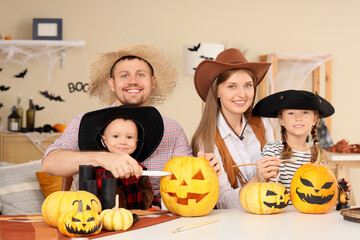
x,y
239,224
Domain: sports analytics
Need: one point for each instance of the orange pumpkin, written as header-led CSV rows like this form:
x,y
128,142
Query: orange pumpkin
x,y
80,222
313,189
61,202
192,189
59,127
264,198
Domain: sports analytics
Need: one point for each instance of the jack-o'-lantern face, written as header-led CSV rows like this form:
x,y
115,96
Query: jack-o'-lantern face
x,y
264,198
65,201
313,189
192,189
80,223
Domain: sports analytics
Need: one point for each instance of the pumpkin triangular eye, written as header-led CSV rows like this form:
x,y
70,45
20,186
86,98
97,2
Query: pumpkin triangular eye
x,y
75,220
173,177
286,191
90,219
270,193
327,185
306,182
88,207
198,176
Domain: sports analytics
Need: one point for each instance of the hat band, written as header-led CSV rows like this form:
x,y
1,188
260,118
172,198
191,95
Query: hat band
x,y
130,57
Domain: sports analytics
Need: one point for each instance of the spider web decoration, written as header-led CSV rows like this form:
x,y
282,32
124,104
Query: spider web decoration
x,y
22,51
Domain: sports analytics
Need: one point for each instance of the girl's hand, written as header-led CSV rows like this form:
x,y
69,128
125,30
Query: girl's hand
x,y
348,185
267,167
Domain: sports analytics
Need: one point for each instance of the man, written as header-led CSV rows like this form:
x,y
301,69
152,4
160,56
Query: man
x,y
137,75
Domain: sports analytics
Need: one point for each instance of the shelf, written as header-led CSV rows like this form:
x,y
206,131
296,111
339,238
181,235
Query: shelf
x,y
41,43
21,51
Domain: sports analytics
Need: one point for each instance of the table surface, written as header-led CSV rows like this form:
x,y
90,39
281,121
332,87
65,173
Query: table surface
x,y
239,224
343,156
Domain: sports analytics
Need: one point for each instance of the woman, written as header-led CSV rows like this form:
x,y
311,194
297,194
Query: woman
x,y
228,85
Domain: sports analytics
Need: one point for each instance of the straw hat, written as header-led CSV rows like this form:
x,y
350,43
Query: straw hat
x,y
231,58
148,121
165,72
292,99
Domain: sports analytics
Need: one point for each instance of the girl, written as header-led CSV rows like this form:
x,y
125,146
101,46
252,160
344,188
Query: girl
x,y
299,113
227,128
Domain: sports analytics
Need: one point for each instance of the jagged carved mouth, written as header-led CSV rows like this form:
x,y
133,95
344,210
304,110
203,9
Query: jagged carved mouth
x,y
184,201
312,199
281,205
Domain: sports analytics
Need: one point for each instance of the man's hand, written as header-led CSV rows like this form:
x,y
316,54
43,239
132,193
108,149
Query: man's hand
x,y
213,161
121,165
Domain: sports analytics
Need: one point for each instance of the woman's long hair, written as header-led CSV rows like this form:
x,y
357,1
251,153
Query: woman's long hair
x,y
205,134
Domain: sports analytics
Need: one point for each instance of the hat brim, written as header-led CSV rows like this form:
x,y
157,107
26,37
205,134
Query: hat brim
x,y
292,99
164,70
148,118
208,70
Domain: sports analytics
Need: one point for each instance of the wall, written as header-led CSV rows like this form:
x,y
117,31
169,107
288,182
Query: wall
x,y
321,26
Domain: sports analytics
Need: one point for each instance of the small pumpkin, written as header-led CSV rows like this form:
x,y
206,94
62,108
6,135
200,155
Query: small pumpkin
x,y
313,189
193,187
80,223
64,201
264,198
117,218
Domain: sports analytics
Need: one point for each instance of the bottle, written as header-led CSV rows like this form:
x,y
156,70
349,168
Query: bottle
x,y
19,111
30,116
13,121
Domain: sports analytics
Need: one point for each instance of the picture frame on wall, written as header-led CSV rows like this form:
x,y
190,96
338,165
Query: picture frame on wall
x,y
47,29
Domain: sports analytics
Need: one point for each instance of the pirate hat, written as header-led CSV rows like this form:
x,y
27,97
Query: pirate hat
x,y
292,99
148,121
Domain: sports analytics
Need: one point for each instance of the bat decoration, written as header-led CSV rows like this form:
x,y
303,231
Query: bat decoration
x,y
22,74
0,69
207,58
52,97
38,108
195,48
1,105
4,88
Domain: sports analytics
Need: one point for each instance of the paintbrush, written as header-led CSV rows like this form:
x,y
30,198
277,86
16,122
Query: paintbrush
x,y
292,160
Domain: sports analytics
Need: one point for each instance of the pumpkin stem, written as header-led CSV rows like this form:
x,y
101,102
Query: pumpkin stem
x,y
116,202
80,209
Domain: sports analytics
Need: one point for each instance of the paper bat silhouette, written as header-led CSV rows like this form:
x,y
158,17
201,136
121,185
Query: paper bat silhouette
x,y
51,96
207,58
38,108
1,105
195,48
22,74
4,88
0,69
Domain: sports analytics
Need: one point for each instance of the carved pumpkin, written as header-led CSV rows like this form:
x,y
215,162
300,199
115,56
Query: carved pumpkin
x,y
313,189
264,198
64,201
80,223
117,218
193,187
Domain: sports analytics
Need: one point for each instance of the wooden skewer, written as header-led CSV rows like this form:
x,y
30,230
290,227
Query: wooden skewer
x,y
181,229
281,160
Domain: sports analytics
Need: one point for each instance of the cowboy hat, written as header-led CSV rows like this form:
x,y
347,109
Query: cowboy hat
x,y
148,120
231,58
292,99
165,72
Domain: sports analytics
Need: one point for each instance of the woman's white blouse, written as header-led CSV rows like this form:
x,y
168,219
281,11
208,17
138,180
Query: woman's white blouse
x,y
243,151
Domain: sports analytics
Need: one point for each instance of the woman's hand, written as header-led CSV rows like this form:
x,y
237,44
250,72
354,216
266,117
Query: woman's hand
x,y
213,161
267,167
